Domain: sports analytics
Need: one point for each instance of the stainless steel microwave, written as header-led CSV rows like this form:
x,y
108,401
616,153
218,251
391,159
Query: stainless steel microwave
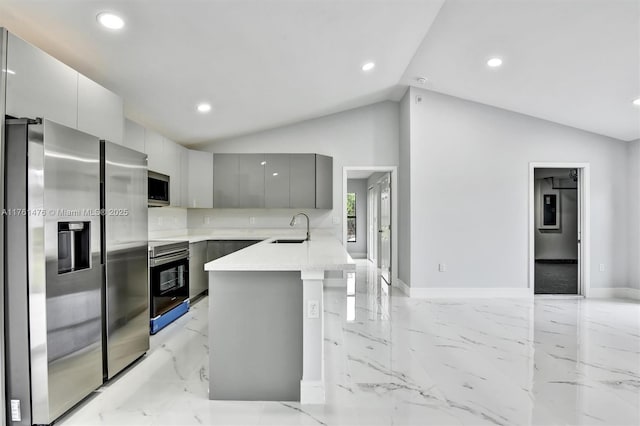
x,y
158,189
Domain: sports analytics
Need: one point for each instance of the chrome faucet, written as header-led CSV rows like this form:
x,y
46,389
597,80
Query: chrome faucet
x,y
293,222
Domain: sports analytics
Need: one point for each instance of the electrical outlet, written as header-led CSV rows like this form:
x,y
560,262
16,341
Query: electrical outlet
x,y
442,267
313,309
207,220
16,415
252,220
336,220
602,267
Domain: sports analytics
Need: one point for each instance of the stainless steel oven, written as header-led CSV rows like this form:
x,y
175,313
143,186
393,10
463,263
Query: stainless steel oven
x,y
168,275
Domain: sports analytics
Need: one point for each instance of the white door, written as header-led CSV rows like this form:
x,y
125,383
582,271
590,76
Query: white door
x,y
385,229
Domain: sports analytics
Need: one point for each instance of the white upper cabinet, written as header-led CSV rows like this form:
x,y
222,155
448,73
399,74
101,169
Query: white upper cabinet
x,y
200,179
184,176
133,136
100,111
154,148
173,158
39,85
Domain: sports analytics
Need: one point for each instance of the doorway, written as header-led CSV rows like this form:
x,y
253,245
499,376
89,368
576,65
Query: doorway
x,y
369,220
558,219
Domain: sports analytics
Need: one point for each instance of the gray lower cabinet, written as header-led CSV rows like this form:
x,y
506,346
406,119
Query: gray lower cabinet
x,y
277,181
198,279
251,180
225,180
219,248
302,181
324,182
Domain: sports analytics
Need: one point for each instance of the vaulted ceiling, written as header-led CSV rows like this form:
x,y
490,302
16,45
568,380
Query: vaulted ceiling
x,y
266,63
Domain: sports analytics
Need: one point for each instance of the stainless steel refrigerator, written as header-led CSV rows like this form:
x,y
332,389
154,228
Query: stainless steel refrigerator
x,y
125,239
72,315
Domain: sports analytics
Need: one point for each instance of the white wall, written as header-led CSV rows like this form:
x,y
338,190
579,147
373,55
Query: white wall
x,y
404,191
358,249
469,193
366,136
561,243
633,162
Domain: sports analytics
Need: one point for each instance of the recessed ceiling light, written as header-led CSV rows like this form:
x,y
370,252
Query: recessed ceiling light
x,y
204,107
421,80
263,163
368,66
494,62
637,102
275,174
110,20
8,71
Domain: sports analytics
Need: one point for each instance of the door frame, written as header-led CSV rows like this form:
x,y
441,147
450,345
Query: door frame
x,y
372,247
394,210
584,221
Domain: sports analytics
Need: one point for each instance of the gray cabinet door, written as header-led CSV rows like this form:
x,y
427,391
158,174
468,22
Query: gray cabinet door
x,y
225,181
276,181
302,181
39,85
251,180
324,182
198,277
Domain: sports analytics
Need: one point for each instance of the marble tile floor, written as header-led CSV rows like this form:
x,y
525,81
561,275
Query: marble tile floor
x,y
391,360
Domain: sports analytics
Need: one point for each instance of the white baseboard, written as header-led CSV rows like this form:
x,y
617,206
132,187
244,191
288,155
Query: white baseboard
x,y
402,286
469,292
311,392
355,255
615,293
335,282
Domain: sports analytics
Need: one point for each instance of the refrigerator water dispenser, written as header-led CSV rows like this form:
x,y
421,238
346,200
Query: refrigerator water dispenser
x,y
74,246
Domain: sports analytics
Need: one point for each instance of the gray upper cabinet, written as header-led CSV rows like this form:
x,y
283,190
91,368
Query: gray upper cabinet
x,y
251,180
302,181
276,181
299,181
100,112
324,182
225,181
200,176
39,85
133,136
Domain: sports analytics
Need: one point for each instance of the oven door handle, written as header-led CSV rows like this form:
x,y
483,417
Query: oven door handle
x,y
168,259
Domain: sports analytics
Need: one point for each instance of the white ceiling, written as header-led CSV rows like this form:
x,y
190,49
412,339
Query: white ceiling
x,y
260,63
265,63
575,62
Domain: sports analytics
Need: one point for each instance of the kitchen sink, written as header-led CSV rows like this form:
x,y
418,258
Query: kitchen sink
x,y
287,241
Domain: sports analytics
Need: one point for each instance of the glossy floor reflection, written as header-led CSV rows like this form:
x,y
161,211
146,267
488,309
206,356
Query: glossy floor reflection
x,y
391,360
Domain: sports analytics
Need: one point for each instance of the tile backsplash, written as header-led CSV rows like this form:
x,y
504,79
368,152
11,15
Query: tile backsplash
x,y
166,220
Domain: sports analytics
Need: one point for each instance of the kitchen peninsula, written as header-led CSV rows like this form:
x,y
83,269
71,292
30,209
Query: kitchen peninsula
x,y
266,331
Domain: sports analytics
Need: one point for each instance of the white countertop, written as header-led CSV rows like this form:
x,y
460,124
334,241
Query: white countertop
x,y
323,253
236,234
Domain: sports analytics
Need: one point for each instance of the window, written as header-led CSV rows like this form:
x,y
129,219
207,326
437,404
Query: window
x,y
351,217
